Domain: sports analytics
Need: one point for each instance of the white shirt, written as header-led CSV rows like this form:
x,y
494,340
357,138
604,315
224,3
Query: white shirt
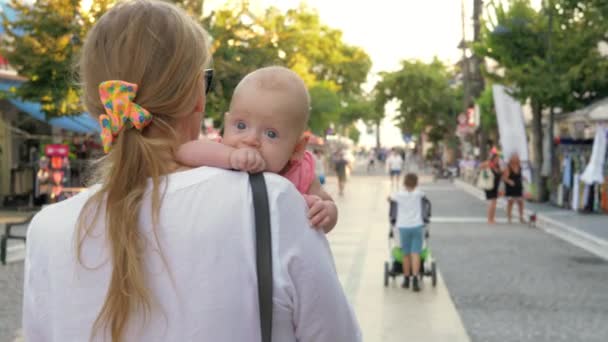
x,y
206,234
394,162
409,208
319,165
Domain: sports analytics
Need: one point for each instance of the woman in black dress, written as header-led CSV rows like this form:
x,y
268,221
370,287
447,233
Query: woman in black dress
x,y
492,195
514,187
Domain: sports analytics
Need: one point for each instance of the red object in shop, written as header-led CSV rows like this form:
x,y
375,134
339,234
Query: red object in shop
x,y
57,150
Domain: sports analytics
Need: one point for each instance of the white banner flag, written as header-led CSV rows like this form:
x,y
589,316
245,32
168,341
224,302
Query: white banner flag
x,y
511,127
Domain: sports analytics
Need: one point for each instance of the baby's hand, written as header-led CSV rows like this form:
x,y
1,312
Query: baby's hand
x,y
247,159
320,212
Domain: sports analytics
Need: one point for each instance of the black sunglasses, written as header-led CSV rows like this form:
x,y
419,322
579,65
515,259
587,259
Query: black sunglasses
x,y
208,80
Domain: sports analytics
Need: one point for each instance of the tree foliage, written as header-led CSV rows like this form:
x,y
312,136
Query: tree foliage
x,y
557,66
44,40
486,107
549,57
325,108
424,95
42,43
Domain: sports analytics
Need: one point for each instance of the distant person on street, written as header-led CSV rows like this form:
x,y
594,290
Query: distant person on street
x,y
512,177
410,226
340,165
371,161
154,250
320,166
493,165
394,165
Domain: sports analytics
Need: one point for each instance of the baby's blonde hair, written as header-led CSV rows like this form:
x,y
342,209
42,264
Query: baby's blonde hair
x,y
278,78
161,49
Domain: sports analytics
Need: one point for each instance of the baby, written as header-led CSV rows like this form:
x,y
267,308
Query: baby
x,y
263,131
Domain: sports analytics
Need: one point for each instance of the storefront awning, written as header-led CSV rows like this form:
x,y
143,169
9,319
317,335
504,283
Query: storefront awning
x,y
596,112
599,111
82,123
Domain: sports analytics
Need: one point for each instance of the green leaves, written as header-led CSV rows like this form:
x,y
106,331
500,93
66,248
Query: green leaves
x,y
42,44
549,56
325,108
423,92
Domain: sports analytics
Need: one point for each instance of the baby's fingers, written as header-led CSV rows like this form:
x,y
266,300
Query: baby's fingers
x,y
318,219
315,209
260,164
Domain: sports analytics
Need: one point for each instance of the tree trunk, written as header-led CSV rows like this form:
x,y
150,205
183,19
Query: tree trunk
x,y
478,82
378,134
537,143
483,145
551,136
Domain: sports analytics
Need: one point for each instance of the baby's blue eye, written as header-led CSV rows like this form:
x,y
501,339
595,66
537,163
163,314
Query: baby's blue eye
x,y
241,125
271,134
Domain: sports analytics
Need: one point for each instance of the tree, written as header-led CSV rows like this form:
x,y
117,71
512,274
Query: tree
x,y
549,58
485,101
325,109
42,44
423,92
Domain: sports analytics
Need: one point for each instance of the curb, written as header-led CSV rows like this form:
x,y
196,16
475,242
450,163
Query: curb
x,y
573,235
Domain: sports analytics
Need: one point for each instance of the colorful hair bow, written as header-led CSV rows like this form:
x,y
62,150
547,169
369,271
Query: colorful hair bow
x,y
117,98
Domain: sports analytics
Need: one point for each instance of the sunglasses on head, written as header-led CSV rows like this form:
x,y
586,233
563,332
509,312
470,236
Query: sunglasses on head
x,y
208,80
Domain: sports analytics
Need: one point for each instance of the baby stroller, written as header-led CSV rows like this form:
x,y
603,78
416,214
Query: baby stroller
x,y
394,267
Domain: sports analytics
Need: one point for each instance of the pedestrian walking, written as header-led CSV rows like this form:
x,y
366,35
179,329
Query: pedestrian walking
x,y
410,226
341,165
156,251
512,177
394,165
371,161
492,165
320,165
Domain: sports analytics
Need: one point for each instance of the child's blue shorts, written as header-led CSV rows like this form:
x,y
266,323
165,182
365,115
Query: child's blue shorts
x,y
411,240
322,179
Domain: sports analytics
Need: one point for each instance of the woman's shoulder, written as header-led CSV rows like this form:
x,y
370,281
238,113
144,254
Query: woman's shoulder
x,y
56,222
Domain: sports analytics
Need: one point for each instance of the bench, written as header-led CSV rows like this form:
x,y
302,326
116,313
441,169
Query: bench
x,y
8,226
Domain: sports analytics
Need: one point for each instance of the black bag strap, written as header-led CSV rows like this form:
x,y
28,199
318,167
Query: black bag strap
x,y
263,251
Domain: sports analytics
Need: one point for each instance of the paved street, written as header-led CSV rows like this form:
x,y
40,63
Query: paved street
x,y
497,283
515,283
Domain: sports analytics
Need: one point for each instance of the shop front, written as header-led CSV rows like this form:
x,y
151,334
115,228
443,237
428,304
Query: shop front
x,y
25,135
581,180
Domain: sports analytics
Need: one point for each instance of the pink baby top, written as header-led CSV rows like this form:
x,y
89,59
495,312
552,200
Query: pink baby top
x,y
302,172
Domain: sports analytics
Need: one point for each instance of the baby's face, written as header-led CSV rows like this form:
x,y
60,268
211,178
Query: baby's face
x,y
264,120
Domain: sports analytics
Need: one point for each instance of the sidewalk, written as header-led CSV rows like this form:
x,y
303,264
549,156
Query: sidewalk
x,y
360,247
588,231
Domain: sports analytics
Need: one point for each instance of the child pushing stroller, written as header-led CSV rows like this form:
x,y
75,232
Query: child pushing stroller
x,y
410,211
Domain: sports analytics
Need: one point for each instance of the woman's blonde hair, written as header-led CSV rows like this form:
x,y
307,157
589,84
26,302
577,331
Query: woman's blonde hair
x,y
161,49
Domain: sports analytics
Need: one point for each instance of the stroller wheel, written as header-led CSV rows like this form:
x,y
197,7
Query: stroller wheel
x,y
434,274
386,274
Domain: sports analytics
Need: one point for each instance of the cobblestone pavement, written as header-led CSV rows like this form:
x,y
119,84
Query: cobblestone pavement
x,y
514,283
